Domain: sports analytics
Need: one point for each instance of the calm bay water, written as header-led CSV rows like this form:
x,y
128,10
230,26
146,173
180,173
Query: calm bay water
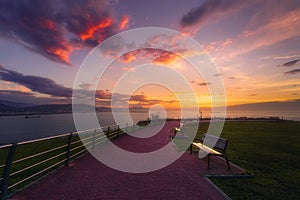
x,y
18,128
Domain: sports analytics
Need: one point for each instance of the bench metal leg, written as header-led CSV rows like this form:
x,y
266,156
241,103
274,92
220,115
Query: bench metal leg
x,y
208,156
226,158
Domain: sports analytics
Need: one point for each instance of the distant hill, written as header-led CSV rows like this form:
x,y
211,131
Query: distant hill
x,y
276,105
6,109
64,108
14,108
15,104
50,108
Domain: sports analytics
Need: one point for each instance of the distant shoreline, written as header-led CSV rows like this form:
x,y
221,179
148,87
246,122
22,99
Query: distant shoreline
x,y
239,118
54,113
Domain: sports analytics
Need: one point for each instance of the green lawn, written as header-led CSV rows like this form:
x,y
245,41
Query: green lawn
x,y
270,151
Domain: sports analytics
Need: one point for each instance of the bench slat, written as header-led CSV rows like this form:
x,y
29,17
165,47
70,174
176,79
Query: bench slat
x,y
219,147
206,148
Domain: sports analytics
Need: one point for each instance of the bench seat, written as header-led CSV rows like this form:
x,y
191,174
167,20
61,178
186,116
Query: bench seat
x,y
206,148
218,149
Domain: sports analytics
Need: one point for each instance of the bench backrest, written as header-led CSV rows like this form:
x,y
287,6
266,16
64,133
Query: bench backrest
x,y
220,143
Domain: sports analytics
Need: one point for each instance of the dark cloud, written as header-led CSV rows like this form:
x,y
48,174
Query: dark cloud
x,y
138,97
204,84
62,94
104,94
290,63
145,101
50,87
86,86
15,92
29,98
210,8
53,28
35,83
295,71
231,78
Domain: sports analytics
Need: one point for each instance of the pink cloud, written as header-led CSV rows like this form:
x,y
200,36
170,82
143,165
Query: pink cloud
x,y
276,30
218,45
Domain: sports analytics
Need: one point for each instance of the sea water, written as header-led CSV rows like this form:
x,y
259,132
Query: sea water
x,y
19,128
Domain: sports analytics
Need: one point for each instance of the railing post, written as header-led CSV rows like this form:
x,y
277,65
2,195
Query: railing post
x,y
6,171
94,139
107,133
68,151
118,132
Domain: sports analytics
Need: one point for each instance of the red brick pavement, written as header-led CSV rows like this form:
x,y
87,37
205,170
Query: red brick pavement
x,y
88,179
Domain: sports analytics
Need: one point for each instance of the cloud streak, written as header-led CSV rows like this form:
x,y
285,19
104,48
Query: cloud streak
x,y
204,84
208,11
290,63
295,71
29,98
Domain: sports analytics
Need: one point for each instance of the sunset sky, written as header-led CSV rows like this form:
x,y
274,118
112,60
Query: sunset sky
x,y
254,44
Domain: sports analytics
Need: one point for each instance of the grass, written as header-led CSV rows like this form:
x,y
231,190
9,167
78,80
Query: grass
x,y
270,151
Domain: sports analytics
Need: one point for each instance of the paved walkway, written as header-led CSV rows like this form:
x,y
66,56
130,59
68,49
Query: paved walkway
x,y
88,179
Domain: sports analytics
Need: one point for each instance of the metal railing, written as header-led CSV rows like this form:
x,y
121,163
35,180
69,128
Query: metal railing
x,y
24,162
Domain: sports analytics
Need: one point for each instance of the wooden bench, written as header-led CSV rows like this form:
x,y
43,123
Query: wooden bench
x,y
219,148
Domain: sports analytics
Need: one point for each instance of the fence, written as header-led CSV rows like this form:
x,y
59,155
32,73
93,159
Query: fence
x,y
24,162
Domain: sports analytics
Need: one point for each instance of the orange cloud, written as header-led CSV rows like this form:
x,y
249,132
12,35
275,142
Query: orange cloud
x,y
62,54
128,69
104,23
124,22
146,101
6,85
128,57
166,58
156,55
